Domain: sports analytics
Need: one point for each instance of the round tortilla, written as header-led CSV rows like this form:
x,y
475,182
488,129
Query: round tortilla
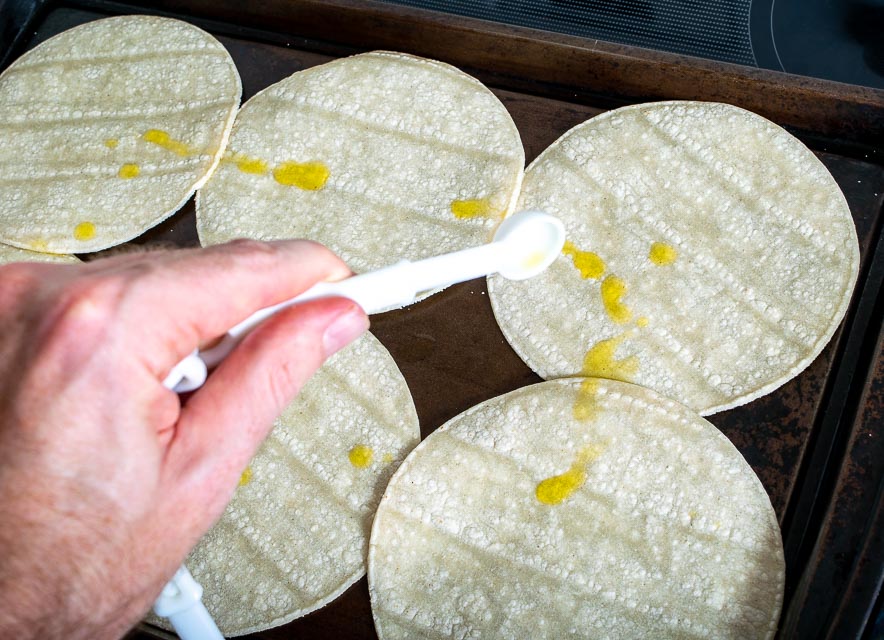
x,y
710,255
108,128
295,535
518,519
380,157
14,254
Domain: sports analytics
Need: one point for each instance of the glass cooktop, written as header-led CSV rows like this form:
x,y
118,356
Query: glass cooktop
x,y
840,40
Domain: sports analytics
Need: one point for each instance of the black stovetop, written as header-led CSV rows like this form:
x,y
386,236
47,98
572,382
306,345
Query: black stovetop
x,y
839,40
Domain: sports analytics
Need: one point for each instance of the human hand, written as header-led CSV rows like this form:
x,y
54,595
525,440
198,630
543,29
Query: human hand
x,y
106,478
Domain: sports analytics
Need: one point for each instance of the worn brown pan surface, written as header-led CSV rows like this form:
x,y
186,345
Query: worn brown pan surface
x,y
816,443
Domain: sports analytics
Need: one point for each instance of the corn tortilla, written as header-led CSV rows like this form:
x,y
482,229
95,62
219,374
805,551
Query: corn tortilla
x,y
379,156
710,255
517,519
107,129
14,254
295,535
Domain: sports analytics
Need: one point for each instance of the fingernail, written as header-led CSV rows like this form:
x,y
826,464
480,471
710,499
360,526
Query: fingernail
x,y
344,329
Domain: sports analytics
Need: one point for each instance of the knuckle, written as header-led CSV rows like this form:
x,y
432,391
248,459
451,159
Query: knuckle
x,y
83,307
246,253
246,247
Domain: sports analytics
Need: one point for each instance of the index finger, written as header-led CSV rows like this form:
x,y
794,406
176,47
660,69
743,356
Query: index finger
x,y
182,299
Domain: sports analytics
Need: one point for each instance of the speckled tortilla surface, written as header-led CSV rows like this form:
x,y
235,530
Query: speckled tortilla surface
x,y
668,533
710,255
380,156
14,254
295,535
107,129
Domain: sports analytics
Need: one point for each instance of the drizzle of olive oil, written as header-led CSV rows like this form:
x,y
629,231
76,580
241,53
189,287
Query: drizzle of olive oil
x,y
163,139
534,260
600,361
129,171
246,477
84,231
585,407
361,456
111,143
310,176
247,164
613,290
556,489
252,165
662,254
589,264
466,209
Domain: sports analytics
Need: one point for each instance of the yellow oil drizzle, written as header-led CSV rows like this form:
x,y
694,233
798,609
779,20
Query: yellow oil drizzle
x,y
360,456
556,489
662,254
84,231
310,176
164,140
246,477
38,245
613,289
600,361
128,171
388,458
585,407
590,265
466,209
247,164
252,165
111,143
642,322
534,260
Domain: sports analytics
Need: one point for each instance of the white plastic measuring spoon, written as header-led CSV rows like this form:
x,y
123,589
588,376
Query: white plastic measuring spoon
x,y
524,245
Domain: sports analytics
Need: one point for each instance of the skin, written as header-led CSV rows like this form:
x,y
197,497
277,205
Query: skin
x,y
107,478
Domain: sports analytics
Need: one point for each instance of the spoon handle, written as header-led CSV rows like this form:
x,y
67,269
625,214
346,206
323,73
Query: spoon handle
x,y
524,245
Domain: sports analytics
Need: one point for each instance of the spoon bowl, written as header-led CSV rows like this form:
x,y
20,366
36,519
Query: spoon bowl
x,y
534,240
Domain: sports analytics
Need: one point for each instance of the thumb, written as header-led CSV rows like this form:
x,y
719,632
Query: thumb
x,y
224,422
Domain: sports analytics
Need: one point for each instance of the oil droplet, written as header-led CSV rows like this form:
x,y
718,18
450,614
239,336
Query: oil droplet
x,y
111,143
534,260
310,176
252,165
557,488
388,458
613,289
662,254
590,265
642,322
39,244
246,477
465,209
128,171
585,407
84,231
247,164
360,456
599,361
162,139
